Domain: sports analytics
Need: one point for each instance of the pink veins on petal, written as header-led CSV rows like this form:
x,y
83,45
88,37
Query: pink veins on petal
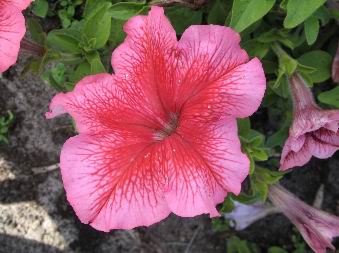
x,y
160,135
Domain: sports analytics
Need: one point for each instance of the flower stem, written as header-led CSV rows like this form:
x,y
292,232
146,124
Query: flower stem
x,y
301,93
31,47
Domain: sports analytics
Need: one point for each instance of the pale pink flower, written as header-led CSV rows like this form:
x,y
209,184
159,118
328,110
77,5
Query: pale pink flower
x,y
335,67
160,135
317,227
12,30
314,132
245,215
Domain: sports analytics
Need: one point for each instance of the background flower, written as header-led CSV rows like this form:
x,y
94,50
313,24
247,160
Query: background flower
x,y
12,30
244,215
314,132
318,228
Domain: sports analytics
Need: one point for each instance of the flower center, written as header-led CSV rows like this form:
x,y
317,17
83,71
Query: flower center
x,y
169,128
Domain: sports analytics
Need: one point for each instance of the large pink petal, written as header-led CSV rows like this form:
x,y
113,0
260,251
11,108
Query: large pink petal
x,y
205,163
148,37
20,4
215,73
12,30
99,105
114,181
145,61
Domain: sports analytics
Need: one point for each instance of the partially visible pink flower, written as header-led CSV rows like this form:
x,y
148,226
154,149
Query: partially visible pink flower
x,y
12,30
314,132
20,4
317,227
160,135
335,67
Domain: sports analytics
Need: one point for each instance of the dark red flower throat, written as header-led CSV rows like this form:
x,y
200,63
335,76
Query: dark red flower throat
x,y
169,128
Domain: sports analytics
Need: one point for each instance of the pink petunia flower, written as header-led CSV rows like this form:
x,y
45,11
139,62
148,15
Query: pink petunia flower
x,y
12,30
314,132
335,67
160,135
317,227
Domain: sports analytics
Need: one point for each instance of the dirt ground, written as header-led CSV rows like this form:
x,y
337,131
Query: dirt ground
x,y
35,216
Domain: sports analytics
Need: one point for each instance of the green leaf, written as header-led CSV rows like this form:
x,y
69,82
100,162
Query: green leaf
x,y
64,40
40,8
275,249
246,12
94,60
92,6
252,143
260,188
117,34
64,18
287,65
220,225
280,86
299,10
260,180
5,124
98,26
323,14
278,138
56,77
218,12
252,164
320,61
244,126
70,11
182,17
255,48
311,29
58,73
259,155
283,4
83,69
330,97
235,245
283,36
270,67
36,64
268,176
228,205
334,13
126,10
37,33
